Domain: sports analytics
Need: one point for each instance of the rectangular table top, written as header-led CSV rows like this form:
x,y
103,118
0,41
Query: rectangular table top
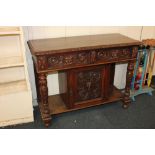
x,y
77,43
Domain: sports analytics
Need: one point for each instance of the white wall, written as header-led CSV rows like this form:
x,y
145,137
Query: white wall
x,y
65,31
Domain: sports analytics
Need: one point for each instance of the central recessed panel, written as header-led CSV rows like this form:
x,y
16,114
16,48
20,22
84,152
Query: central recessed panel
x,y
89,84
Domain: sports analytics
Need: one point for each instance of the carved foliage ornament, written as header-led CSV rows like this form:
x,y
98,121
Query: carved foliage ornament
x,y
43,92
129,75
41,62
86,57
134,52
68,59
113,54
88,85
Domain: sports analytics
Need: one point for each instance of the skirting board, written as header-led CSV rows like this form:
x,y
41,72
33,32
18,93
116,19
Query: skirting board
x,y
17,121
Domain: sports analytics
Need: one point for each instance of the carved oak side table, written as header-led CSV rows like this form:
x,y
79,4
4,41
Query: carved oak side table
x,y
86,67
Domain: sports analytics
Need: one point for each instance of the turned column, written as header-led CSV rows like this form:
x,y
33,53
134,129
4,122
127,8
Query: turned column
x,y
43,93
129,75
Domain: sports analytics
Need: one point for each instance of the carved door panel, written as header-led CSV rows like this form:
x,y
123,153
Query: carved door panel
x,y
88,85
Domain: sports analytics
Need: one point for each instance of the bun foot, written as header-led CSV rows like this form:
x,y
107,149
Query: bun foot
x,y
125,106
47,123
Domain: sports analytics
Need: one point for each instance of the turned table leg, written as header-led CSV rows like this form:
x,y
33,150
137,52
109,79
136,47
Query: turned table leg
x,y
129,75
43,104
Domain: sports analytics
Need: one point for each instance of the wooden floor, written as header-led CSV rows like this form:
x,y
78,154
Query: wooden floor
x,y
57,106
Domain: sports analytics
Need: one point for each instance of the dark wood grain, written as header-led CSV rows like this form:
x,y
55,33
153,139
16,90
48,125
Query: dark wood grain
x,y
94,58
79,43
57,105
43,93
129,75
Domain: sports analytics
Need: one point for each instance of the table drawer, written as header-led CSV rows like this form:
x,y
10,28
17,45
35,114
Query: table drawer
x,y
68,60
105,55
85,58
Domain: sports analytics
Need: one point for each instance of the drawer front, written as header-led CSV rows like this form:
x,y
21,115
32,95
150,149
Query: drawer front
x,y
105,55
83,58
68,60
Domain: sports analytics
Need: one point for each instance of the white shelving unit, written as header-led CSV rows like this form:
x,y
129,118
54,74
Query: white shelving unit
x,y
7,62
15,92
9,30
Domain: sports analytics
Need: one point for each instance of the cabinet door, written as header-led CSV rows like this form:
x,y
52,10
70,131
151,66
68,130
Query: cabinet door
x,y
89,84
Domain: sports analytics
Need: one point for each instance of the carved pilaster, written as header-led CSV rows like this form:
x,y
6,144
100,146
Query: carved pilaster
x,y
134,52
42,63
93,57
129,76
44,107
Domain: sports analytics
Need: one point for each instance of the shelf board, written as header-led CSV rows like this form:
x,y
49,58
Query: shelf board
x,y
7,62
57,106
13,87
9,30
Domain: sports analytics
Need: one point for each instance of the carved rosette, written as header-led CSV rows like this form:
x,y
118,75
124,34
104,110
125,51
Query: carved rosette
x,y
59,61
129,76
43,89
86,57
113,54
68,60
82,58
125,53
42,63
56,61
102,54
88,85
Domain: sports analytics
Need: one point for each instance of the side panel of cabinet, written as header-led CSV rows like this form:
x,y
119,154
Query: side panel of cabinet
x,y
109,78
